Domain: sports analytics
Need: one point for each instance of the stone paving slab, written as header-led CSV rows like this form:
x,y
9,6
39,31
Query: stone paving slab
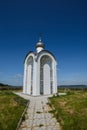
x,y
38,122
38,116
39,128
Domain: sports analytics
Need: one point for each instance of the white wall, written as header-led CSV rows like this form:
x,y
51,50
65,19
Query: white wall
x,y
36,76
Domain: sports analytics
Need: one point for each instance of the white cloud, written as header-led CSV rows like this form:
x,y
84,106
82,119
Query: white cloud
x,y
18,76
16,80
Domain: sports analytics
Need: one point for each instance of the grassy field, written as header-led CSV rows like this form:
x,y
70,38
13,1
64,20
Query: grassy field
x,y
11,108
71,110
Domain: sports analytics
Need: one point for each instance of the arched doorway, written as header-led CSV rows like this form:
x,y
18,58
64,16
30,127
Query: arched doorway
x,y
46,75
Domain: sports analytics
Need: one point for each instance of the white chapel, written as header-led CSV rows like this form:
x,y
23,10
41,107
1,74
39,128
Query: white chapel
x,y
40,72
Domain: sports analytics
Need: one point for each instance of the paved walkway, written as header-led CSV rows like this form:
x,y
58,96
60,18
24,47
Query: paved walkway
x,y
38,116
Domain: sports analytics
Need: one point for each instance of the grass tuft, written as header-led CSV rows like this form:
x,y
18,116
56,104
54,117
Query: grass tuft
x,y
38,112
11,108
40,125
71,110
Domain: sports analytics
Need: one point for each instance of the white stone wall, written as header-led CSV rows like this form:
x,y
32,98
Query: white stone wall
x,y
36,76
54,74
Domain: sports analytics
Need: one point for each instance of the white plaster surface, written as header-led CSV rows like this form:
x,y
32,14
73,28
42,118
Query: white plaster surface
x,y
38,116
32,80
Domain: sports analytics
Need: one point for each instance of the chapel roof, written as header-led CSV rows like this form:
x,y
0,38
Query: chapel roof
x,y
45,51
38,54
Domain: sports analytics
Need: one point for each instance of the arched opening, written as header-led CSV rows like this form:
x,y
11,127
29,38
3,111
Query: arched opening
x,y
30,75
46,75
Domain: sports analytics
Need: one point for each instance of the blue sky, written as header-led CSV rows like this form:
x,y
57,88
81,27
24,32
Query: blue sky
x,y
63,25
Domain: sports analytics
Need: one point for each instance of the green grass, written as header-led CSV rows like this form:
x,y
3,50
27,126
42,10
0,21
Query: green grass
x,y
41,125
71,110
38,112
11,108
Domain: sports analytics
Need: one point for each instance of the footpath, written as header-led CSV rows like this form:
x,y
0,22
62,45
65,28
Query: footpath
x,y
37,115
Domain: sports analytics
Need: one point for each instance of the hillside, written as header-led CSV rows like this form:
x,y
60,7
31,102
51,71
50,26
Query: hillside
x,y
9,87
73,86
